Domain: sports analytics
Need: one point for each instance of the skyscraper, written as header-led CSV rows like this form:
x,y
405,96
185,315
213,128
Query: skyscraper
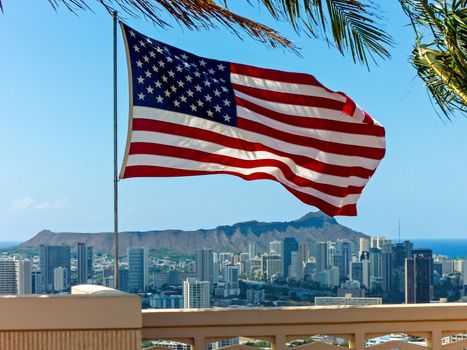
x,y
90,257
376,263
251,250
138,270
419,277
196,294
275,247
296,266
24,277
364,246
398,256
36,281
321,256
386,267
289,245
205,266
379,241
344,248
52,257
61,279
271,265
82,264
231,279
8,276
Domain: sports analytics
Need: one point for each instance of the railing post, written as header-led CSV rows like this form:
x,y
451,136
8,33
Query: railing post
x,y
199,343
357,342
435,341
279,342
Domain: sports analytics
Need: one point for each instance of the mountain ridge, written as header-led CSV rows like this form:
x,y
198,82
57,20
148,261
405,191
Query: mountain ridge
x,y
312,227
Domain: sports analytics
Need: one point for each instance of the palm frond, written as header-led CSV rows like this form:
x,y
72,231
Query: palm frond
x,y
352,26
193,14
440,50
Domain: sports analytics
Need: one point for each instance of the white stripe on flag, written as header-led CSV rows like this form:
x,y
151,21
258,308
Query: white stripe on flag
x,y
187,164
234,132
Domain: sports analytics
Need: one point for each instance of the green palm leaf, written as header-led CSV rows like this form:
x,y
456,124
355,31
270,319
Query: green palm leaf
x,y
351,25
440,51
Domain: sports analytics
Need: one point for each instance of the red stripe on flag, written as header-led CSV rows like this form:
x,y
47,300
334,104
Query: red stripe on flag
x,y
314,122
207,135
273,74
156,171
326,146
201,156
286,98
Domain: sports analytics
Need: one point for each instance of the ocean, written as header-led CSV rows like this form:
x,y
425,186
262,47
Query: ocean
x,y
7,244
453,248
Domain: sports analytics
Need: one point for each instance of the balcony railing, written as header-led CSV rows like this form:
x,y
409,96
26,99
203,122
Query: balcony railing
x,y
281,326
96,318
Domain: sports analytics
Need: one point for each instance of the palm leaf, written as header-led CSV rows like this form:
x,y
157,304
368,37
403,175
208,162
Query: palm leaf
x,y
351,25
440,50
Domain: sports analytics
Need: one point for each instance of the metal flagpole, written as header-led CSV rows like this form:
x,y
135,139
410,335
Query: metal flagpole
x,y
115,20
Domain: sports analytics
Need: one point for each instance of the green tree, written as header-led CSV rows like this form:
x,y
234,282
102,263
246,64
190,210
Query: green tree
x,y
352,26
440,50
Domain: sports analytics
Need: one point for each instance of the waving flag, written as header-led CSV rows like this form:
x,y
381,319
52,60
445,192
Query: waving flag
x,y
191,115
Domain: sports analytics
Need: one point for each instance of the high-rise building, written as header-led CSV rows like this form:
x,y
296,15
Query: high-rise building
x,y
61,279
8,276
419,277
356,272
379,241
123,279
364,246
344,248
366,273
196,294
296,266
138,270
36,282
275,247
226,258
289,245
321,256
330,253
376,266
205,266
231,280
52,257
271,265
304,252
398,255
82,264
251,250
24,277
90,258
386,267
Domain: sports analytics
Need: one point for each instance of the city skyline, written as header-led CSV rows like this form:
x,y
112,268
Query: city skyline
x,y
282,272
60,147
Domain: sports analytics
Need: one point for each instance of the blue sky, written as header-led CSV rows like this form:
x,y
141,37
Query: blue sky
x,y
56,133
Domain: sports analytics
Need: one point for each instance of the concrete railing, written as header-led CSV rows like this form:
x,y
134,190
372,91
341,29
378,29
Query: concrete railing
x,y
92,318
98,318
281,326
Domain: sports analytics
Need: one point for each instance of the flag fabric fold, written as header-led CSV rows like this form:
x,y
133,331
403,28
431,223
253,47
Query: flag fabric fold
x,y
190,115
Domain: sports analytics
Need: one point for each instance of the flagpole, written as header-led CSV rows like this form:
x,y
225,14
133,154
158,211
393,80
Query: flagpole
x,y
115,20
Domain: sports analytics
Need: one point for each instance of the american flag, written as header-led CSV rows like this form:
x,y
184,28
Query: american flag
x,y
190,115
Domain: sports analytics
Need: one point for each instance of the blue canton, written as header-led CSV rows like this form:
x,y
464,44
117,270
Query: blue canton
x,y
172,79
